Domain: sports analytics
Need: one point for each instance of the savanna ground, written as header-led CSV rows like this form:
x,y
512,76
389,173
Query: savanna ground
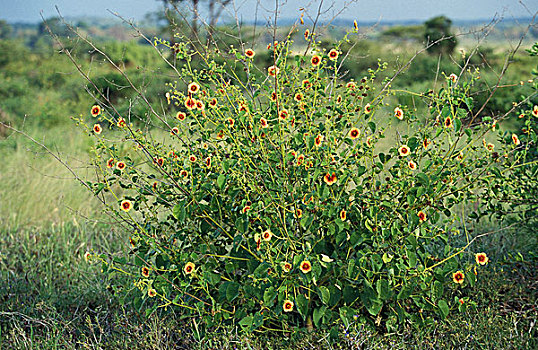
x,y
50,297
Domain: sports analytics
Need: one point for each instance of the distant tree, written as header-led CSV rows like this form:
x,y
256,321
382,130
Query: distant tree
x,y
215,8
436,29
5,30
415,32
55,24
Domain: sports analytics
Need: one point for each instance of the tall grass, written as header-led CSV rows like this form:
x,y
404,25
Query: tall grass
x,y
35,189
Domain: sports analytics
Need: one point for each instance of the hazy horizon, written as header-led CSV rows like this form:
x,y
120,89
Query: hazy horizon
x,y
28,11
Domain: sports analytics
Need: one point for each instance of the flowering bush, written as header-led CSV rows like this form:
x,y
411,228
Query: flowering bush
x,y
279,199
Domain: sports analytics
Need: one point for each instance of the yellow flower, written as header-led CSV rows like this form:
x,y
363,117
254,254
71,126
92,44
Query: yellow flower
x,y
273,71
250,53
354,133
398,113
180,115
267,235
333,55
318,140
189,268
121,122
193,88
286,267
306,84
97,129
305,266
425,143
126,205
330,179
316,60
412,165
404,150
481,258
120,166
515,139
152,292
422,216
287,306
145,271
190,103
96,110
458,277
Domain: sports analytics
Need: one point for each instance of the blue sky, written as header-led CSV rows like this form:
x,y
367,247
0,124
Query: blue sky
x,y
362,10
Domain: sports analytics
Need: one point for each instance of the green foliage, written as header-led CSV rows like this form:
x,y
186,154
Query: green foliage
x,y
5,30
439,29
415,32
270,204
514,192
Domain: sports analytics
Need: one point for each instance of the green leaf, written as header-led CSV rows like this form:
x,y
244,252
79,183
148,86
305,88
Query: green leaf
x,y
318,314
179,212
404,293
258,320
100,187
383,289
471,278
371,301
346,315
412,258
325,294
211,277
437,290
350,267
246,322
221,180
269,295
423,179
445,112
302,305
443,308
240,225
457,125
386,258
232,291
372,126
350,294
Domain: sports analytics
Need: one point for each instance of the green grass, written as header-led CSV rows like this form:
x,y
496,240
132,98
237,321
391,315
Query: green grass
x,y
35,189
51,298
